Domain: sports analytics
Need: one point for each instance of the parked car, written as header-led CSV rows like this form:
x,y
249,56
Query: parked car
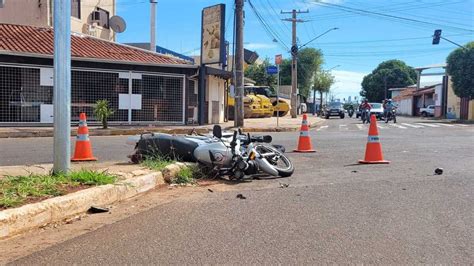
x,y
428,111
377,110
334,109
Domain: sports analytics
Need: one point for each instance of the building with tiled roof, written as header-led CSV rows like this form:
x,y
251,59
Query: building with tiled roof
x,y
142,87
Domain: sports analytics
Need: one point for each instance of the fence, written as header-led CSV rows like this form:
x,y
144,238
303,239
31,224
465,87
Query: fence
x,y
26,95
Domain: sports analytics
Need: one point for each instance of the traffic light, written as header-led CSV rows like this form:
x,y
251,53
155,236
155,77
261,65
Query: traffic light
x,y
294,50
436,36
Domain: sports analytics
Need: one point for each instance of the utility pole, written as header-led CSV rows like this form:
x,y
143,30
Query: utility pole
x,y
294,59
62,86
239,64
153,25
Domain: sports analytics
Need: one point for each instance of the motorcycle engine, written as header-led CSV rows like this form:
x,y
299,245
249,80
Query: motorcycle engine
x,y
252,168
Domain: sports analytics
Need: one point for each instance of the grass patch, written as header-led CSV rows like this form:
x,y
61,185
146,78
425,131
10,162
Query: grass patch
x,y
157,163
18,190
188,175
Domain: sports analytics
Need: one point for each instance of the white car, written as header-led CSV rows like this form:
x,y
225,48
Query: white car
x,y
428,111
377,110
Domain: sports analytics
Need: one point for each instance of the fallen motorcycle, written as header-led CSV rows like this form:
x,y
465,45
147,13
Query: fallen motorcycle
x,y
236,155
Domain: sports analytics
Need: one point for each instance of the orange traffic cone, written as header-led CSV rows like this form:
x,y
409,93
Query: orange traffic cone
x,y
83,151
373,150
304,141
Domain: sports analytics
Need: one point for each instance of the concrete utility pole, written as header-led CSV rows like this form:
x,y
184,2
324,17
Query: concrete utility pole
x,y
153,25
294,61
62,86
239,64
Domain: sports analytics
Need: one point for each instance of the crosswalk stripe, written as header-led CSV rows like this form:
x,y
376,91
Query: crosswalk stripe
x,y
398,126
461,125
427,124
343,127
445,125
360,127
410,125
321,128
381,127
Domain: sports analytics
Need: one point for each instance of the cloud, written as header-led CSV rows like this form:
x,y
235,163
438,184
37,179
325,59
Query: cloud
x,y
347,83
258,46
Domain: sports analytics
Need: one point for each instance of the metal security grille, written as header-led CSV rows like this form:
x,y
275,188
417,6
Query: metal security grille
x,y
192,102
21,95
26,95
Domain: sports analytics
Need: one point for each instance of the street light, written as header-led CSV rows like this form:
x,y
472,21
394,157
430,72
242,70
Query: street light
x,y
315,38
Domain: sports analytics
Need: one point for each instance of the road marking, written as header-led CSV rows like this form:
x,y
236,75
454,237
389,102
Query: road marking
x,y
445,125
361,127
343,127
398,126
461,125
427,124
381,127
321,128
410,125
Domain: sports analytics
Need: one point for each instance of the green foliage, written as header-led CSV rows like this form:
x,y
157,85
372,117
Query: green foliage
x,y
461,69
309,62
157,162
322,83
184,176
258,72
394,72
16,190
102,112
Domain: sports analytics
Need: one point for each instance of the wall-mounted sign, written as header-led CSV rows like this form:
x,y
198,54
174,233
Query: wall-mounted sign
x,y
213,35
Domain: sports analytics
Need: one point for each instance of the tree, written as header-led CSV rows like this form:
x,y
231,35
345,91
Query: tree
x,y
388,74
258,72
322,83
461,69
309,61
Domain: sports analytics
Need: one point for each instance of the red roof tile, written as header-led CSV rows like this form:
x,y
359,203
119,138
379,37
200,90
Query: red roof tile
x,y
35,40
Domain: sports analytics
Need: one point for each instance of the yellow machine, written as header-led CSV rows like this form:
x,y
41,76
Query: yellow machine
x,y
280,108
255,106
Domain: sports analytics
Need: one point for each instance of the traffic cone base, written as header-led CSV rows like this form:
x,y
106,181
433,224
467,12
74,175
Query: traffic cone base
x,y
304,141
83,150
373,150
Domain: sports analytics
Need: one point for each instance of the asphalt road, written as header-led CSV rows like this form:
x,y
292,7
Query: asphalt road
x,y
334,210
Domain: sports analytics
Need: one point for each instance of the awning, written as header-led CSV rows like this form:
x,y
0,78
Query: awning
x,y
218,72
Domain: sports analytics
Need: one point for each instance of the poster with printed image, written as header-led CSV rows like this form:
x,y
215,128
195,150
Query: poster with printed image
x,y
213,46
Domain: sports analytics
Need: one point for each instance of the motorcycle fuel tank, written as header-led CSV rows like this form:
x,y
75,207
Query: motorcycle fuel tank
x,y
221,154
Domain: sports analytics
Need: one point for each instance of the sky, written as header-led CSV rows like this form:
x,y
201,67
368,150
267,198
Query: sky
x,y
369,31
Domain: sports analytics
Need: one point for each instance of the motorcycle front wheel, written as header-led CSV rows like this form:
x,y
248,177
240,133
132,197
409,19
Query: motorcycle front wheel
x,y
278,160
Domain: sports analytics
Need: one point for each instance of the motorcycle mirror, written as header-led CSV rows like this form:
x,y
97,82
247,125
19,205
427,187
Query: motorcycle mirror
x,y
217,131
267,139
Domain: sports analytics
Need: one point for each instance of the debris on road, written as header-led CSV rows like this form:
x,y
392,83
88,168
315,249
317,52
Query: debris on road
x,y
284,185
210,190
96,209
354,171
240,196
439,171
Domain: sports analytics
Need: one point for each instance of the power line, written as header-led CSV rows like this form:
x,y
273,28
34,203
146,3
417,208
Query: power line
x,y
378,14
267,28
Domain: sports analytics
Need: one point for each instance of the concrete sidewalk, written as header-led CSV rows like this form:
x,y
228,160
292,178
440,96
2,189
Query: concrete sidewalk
x,y
286,124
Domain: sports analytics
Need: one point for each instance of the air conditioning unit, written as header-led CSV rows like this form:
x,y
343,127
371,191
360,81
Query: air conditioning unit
x,y
95,16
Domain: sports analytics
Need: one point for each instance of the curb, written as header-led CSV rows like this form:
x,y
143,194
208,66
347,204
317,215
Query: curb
x,y
125,132
36,215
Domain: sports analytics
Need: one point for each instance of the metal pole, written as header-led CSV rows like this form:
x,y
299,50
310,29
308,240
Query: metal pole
x,y
314,101
153,25
278,95
239,63
62,86
294,69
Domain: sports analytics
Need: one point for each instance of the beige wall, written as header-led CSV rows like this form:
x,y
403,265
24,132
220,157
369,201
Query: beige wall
x,y
454,104
25,12
38,12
